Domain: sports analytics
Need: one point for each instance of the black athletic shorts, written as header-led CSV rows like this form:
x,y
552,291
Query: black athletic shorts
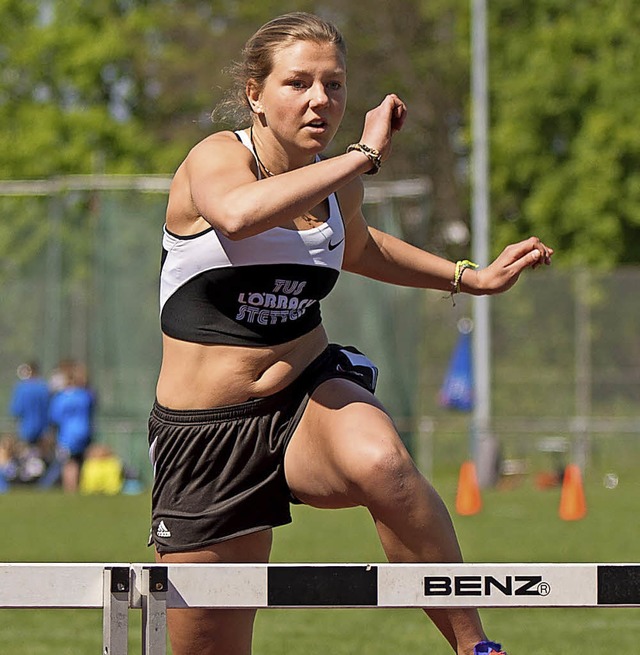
x,y
219,473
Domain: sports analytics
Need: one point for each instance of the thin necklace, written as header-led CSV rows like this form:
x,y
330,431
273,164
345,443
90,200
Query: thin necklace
x,y
255,152
308,218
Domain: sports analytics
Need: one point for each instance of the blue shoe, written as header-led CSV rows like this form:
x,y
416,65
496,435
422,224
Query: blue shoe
x,y
488,648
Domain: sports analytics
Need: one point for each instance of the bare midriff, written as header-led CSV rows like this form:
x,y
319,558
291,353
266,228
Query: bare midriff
x,y
203,376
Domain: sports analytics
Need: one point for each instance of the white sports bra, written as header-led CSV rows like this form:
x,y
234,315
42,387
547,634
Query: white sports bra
x,y
259,291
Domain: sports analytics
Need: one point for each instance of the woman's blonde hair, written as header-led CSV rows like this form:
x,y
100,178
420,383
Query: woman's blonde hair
x,y
257,58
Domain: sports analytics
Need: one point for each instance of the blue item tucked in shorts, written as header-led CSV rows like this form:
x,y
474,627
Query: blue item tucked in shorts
x,y
219,473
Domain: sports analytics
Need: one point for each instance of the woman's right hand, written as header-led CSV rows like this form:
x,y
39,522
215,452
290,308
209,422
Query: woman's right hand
x,y
382,122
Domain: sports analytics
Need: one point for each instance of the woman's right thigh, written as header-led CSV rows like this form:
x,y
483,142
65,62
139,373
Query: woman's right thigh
x,y
216,632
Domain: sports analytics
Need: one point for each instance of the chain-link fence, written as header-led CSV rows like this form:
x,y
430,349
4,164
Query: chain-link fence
x,y
79,280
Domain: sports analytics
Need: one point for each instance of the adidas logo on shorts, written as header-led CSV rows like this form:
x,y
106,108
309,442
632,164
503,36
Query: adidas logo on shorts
x,y
162,530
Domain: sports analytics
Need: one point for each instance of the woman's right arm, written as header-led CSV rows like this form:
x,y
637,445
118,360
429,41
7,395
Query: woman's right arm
x,y
222,179
225,191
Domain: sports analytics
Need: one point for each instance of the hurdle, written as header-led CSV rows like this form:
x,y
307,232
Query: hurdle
x,y
73,586
154,588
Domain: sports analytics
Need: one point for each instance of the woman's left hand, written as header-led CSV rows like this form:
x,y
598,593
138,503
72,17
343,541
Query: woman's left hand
x,y
505,270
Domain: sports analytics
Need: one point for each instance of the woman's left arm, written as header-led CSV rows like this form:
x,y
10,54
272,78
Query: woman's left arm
x,y
380,256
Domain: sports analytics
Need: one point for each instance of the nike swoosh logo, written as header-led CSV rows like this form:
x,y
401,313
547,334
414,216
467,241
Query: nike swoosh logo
x,y
333,246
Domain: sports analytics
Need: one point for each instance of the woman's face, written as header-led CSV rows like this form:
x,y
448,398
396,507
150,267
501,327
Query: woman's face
x,y
304,97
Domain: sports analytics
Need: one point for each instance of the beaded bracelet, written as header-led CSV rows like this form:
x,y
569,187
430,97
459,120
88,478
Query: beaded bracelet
x,y
372,154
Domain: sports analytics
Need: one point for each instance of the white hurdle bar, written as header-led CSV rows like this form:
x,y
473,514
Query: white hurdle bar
x,y
152,588
104,586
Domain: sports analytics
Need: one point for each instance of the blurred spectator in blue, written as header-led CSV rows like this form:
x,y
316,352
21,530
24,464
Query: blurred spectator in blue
x,y
29,404
59,377
71,413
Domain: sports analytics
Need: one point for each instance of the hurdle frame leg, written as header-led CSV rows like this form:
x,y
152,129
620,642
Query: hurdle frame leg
x,y
115,610
155,584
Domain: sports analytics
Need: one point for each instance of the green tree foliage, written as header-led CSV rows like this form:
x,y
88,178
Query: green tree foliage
x,y
65,89
565,136
128,86
117,86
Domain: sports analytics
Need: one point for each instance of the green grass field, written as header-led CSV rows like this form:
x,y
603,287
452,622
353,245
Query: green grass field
x,y
520,525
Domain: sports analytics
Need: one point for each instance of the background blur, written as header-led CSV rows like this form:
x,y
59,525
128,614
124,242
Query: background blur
x,y
99,102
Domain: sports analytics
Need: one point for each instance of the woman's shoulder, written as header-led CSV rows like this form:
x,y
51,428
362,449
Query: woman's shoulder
x,y
216,140
217,148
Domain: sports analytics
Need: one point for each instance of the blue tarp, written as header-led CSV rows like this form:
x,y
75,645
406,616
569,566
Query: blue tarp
x,y
457,389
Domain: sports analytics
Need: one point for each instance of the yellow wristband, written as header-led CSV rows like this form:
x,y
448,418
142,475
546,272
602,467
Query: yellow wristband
x,y
461,266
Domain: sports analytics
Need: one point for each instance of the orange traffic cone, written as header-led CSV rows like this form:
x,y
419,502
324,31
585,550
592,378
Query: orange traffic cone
x,y
468,500
573,505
